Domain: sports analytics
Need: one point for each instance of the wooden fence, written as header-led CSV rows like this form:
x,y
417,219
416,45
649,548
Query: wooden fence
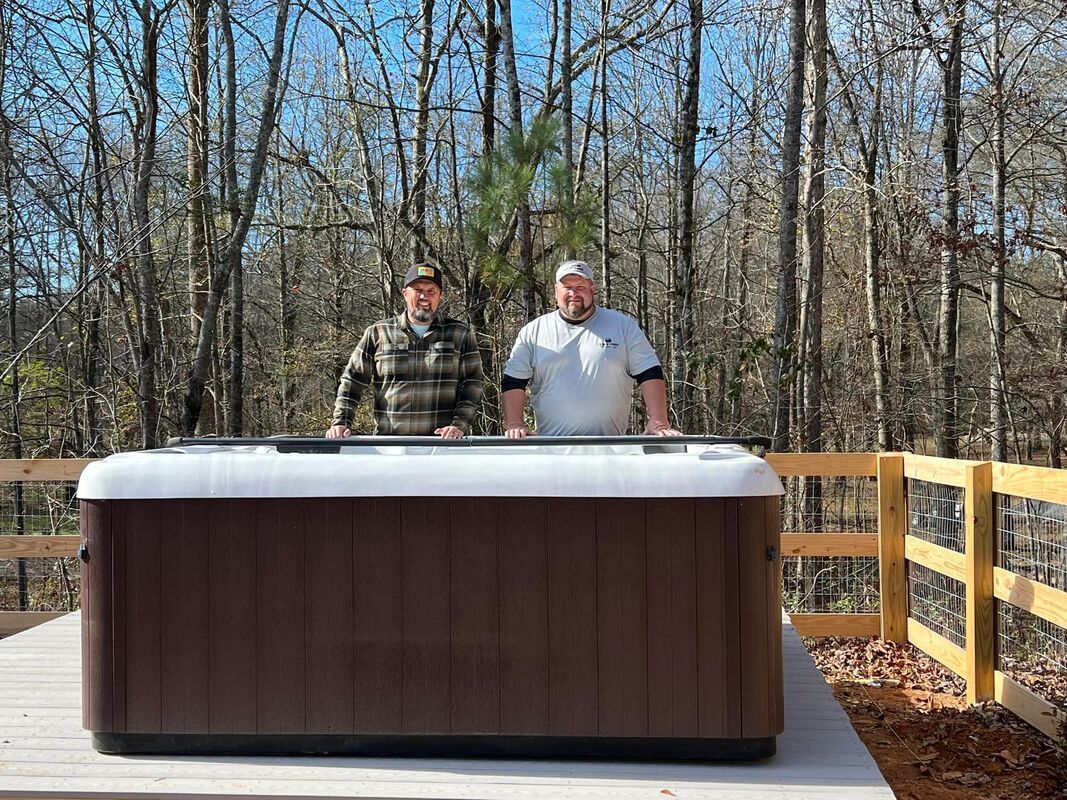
x,y
895,545
976,567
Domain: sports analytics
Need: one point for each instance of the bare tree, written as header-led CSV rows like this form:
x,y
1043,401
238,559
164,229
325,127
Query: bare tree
x,y
684,265
196,12
785,314
949,55
814,244
231,253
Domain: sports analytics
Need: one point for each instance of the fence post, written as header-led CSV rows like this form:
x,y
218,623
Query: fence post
x,y
981,626
892,526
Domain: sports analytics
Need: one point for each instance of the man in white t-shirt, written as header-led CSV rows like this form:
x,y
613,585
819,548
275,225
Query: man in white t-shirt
x,y
580,363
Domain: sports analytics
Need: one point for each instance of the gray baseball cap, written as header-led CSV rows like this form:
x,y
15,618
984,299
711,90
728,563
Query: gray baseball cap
x,y
579,268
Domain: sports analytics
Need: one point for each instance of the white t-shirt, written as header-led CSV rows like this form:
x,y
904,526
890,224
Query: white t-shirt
x,y
581,375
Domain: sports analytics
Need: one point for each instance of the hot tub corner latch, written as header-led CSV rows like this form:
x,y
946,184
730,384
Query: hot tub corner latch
x,y
772,552
83,552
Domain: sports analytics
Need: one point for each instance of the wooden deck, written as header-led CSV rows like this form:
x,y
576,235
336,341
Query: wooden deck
x,y
44,753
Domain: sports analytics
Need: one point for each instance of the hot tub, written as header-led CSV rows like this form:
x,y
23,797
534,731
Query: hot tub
x,y
537,601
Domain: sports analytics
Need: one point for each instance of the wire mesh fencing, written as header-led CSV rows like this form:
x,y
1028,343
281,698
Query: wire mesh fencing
x,y
935,513
830,584
937,601
38,509
826,505
1032,539
1032,651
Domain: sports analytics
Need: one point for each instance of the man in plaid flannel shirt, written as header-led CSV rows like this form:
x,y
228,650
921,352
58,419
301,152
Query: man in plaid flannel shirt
x,y
425,370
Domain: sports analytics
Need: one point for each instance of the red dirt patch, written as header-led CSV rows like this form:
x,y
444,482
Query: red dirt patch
x,y
929,745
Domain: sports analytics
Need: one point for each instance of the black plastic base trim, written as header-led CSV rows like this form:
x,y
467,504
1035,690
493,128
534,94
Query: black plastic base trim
x,y
559,747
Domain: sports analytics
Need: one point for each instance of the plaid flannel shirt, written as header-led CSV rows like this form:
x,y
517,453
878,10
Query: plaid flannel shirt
x,y
420,384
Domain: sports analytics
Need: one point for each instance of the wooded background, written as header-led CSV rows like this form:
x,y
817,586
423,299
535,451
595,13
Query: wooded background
x,y
843,227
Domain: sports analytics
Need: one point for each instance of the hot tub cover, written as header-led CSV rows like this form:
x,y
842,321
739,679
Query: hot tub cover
x,y
388,471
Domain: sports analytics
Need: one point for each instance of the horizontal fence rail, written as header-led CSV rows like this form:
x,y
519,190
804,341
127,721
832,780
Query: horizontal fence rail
x,y
937,528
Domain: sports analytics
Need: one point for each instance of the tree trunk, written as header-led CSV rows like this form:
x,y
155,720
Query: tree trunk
x,y
236,382
947,431
230,192
197,160
525,232
872,256
1057,421
287,316
605,162
567,113
230,257
90,320
785,311
814,235
684,264
423,87
492,48
997,397
813,258
147,282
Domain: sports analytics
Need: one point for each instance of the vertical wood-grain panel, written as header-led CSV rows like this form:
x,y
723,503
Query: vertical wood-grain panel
x,y
658,588
426,618
684,716
711,622
376,568
572,617
329,621
141,525
117,593
184,627
732,599
753,571
776,688
98,634
475,606
280,632
233,557
523,586
622,633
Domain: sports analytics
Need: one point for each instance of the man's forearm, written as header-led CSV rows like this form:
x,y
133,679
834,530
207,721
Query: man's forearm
x,y
654,393
471,385
514,401
348,395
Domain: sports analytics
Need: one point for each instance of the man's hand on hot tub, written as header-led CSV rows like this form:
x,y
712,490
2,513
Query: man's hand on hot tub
x,y
517,432
449,432
338,432
654,428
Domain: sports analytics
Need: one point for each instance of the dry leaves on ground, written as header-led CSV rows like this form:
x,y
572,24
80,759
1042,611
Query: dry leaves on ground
x,y
912,715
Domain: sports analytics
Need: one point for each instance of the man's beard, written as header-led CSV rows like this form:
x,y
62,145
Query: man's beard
x,y
576,311
422,316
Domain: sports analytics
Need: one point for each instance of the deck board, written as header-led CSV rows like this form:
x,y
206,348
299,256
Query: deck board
x,y
44,753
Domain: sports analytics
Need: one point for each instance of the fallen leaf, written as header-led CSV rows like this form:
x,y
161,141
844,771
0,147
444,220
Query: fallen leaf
x,y
1010,757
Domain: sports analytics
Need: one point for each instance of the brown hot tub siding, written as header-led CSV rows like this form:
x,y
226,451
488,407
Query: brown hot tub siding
x,y
566,617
